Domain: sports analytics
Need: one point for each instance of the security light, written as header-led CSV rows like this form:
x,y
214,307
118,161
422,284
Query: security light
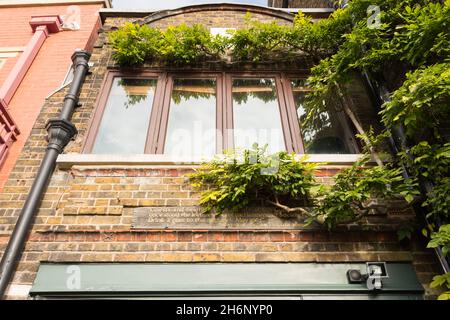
x,y
354,276
376,271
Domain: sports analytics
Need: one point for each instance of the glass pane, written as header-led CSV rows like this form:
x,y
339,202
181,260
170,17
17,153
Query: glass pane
x,y
124,125
323,132
191,129
256,114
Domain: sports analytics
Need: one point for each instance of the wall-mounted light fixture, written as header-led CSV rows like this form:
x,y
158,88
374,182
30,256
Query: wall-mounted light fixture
x,y
376,271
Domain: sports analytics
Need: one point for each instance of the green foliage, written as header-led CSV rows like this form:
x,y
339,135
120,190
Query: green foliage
x,y
412,42
442,281
422,100
432,162
406,231
183,45
412,33
423,35
135,44
355,189
442,239
237,179
259,41
438,199
240,177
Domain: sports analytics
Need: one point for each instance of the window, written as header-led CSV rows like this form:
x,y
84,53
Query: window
x,y
256,114
191,127
202,114
124,124
324,132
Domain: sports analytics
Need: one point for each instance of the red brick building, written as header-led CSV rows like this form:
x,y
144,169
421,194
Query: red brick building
x,y
119,217
37,39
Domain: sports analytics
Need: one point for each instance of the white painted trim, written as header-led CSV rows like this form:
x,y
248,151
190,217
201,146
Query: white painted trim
x,y
71,159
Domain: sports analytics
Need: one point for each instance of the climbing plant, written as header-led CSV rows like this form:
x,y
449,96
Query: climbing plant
x,y
237,179
134,44
240,177
408,53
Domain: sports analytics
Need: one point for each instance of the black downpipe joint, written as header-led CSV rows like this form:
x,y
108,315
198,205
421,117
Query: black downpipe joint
x,y
60,132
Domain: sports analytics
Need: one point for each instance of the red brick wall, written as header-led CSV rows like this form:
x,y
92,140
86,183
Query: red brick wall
x,y
48,69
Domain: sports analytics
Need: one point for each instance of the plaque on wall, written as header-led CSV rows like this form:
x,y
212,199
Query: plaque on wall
x,y
194,218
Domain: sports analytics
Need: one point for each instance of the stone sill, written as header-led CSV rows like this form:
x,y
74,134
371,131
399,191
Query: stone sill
x,y
65,161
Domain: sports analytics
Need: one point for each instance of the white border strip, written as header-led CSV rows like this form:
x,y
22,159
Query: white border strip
x,y
69,160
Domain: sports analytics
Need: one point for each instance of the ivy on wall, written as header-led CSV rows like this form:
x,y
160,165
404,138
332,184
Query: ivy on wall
x,y
407,52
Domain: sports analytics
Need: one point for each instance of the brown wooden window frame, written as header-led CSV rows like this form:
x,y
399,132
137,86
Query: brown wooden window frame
x,y
159,117
103,101
164,111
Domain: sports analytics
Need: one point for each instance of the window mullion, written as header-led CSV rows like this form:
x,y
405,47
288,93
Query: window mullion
x,y
284,113
228,123
153,127
163,114
295,125
220,113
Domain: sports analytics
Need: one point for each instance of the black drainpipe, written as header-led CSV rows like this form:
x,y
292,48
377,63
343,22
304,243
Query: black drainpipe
x,y
60,132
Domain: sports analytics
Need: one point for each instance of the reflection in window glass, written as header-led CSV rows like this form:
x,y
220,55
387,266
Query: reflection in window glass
x,y
124,125
256,114
191,128
322,133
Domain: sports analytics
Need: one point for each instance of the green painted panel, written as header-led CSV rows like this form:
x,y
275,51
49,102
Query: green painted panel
x,y
214,277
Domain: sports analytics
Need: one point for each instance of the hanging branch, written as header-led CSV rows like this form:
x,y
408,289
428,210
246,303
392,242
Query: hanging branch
x,y
348,110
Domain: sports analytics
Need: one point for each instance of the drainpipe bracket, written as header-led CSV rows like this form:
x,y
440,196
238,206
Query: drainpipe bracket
x,y
60,132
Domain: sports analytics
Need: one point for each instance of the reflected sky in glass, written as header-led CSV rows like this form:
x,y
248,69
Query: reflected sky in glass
x,y
191,128
256,114
124,125
170,4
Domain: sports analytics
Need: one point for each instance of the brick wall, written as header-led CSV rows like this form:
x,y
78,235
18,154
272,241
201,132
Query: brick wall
x,y
86,212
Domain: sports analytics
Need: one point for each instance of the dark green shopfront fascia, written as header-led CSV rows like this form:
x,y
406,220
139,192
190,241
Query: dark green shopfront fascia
x,y
220,280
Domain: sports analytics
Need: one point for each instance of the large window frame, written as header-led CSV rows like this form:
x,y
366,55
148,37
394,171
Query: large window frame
x,y
159,117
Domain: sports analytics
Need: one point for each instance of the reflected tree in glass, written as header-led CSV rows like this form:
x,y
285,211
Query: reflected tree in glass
x,y
322,132
191,128
124,125
256,114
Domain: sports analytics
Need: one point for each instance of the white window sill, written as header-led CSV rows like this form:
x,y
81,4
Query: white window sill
x,y
69,160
